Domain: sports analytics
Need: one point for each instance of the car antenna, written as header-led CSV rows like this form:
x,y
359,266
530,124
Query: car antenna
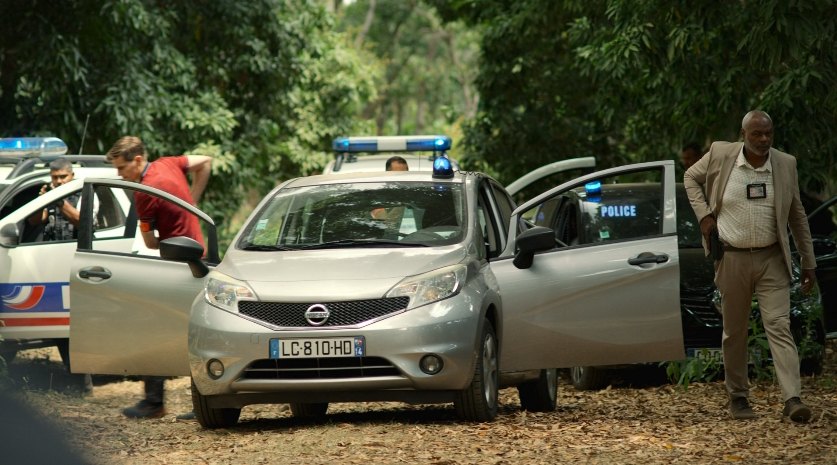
x,y
83,133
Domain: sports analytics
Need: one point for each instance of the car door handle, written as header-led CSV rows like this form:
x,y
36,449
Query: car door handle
x,y
647,257
94,272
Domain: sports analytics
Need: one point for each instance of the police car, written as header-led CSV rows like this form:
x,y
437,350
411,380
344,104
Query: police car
x,y
34,274
422,287
356,154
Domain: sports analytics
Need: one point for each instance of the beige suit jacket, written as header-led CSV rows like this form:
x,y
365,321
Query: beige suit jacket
x,y
706,180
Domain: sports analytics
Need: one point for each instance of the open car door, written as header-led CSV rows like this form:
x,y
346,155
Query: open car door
x,y
130,311
590,273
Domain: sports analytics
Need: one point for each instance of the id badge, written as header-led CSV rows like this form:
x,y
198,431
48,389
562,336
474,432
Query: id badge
x,y
757,191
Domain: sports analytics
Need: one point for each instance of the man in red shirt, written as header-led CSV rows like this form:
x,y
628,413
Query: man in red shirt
x,y
129,157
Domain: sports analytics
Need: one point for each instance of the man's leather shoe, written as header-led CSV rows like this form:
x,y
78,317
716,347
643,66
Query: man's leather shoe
x,y
739,409
144,409
796,410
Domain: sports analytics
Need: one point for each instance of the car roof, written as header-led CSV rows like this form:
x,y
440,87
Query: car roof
x,y
416,161
375,176
14,166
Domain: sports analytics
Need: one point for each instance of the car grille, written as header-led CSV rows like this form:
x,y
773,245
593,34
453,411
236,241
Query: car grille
x,y
348,313
320,368
704,311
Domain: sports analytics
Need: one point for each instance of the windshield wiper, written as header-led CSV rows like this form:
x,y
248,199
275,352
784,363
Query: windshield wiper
x,y
268,248
362,243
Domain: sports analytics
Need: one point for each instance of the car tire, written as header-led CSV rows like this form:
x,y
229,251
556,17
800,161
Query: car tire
x,y
540,395
478,402
589,378
209,417
310,411
8,356
63,346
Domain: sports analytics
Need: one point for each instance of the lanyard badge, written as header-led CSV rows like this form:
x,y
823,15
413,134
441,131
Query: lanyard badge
x,y
757,191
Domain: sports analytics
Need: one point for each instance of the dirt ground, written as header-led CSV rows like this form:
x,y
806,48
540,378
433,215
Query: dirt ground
x,y
634,422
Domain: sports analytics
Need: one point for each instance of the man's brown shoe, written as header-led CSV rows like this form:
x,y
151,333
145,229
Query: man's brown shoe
x,y
739,409
796,410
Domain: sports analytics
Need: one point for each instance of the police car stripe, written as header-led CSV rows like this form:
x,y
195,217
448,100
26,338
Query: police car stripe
x,y
13,322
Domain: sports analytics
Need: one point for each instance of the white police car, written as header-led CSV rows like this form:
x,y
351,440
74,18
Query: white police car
x,y
423,287
34,274
356,154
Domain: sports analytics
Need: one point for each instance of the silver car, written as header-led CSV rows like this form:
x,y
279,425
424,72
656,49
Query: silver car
x,y
422,287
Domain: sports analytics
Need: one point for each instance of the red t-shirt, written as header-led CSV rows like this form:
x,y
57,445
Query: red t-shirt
x,y
168,174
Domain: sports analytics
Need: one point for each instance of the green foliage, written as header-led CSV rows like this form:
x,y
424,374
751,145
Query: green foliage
x,y
696,369
635,80
427,67
263,86
759,348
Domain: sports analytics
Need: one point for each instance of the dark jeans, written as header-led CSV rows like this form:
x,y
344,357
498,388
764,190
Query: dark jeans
x,y
154,389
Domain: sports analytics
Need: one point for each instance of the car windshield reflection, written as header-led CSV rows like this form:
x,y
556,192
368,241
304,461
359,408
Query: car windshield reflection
x,y
384,214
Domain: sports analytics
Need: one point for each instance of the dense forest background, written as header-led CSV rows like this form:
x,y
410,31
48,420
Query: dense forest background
x,y
265,85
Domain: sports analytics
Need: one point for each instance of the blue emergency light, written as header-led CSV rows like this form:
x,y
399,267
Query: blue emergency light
x,y
593,189
442,167
435,143
32,146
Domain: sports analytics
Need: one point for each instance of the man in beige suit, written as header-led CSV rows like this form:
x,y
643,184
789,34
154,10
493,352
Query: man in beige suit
x,y
748,193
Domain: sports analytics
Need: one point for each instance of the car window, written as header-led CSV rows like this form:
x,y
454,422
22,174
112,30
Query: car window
x,y
505,205
488,225
418,213
109,214
115,218
621,207
21,198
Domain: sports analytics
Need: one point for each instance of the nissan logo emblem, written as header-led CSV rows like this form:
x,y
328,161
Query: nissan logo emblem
x,y
317,315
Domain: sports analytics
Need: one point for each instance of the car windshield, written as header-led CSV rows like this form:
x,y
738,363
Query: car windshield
x,y
384,214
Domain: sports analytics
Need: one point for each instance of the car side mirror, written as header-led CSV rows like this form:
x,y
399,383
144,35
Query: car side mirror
x,y
185,249
530,241
9,235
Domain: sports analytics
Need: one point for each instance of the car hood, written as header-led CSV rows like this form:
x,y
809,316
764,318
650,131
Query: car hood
x,y
697,274
345,274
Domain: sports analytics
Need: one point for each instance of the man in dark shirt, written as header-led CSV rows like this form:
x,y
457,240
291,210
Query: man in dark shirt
x,y
130,159
60,219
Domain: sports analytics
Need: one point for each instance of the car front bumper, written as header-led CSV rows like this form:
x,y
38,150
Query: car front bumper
x,y
446,328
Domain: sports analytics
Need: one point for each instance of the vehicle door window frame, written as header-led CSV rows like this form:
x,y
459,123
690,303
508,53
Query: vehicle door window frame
x,y
667,227
85,236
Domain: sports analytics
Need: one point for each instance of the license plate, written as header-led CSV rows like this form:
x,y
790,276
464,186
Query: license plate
x,y
327,347
707,354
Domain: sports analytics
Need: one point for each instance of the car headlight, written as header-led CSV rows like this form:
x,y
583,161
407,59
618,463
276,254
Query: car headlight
x,y
431,286
225,292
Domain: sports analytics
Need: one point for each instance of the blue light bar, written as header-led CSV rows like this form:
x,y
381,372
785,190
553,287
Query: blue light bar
x,y
435,143
32,146
442,168
593,188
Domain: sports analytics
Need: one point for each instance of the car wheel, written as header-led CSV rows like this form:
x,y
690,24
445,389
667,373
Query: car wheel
x,y
209,417
478,402
63,346
588,378
540,395
8,356
311,410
